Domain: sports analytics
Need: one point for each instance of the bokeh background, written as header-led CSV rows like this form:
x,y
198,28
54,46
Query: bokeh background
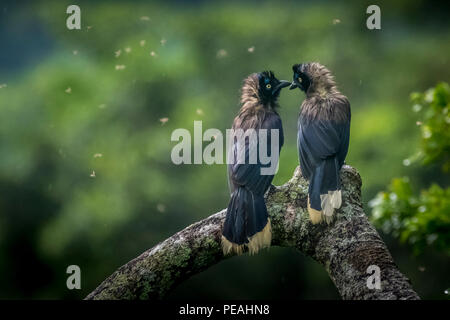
x,y
86,118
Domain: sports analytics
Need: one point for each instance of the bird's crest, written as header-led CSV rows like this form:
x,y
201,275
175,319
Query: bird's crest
x,y
253,110
322,81
249,92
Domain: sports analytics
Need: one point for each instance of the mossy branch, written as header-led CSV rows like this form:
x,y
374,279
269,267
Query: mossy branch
x,y
345,248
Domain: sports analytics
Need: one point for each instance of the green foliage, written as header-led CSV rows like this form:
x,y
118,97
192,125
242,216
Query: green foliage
x,y
422,220
434,108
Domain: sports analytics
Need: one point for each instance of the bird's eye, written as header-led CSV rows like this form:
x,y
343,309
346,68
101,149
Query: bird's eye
x,y
299,80
268,86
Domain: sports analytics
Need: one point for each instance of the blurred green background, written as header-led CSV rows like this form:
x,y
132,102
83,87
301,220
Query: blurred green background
x,y
86,118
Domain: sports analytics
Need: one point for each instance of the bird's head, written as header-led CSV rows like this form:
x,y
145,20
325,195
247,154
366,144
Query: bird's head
x,y
312,78
301,78
264,87
269,86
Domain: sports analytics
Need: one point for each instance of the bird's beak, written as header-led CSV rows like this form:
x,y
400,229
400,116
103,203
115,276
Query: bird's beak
x,y
282,84
293,85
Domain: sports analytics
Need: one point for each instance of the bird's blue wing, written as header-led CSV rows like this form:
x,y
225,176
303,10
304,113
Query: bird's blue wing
x,y
249,175
320,139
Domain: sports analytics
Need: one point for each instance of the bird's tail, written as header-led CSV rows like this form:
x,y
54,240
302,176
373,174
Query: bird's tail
x,y
246,224
324,195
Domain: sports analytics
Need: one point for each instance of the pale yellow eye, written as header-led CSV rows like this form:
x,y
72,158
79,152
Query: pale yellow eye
x,y
299,80
268,86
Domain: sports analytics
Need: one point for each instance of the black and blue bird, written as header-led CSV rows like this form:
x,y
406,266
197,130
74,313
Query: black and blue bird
x,y
247,223
322,138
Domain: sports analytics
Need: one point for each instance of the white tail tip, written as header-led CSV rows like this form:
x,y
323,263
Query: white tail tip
x,y
329,202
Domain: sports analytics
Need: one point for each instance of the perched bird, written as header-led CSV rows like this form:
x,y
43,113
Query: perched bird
x,y
247,222
322,138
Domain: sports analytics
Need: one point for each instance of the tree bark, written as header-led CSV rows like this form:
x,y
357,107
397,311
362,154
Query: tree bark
x,y
345,248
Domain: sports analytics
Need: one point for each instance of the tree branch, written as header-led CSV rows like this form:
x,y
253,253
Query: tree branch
x,y
346,248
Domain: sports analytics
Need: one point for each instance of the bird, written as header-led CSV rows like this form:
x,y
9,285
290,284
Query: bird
x,y
247,224
322,139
